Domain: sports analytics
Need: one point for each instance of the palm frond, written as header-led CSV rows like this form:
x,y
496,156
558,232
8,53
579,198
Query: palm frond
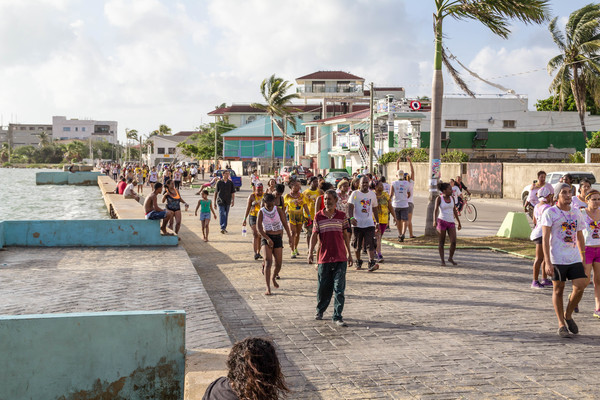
x,y
456,76
557,35
555,62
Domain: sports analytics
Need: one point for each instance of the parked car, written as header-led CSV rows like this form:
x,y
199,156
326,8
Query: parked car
x,y
553,178
336,175
304,174
237,180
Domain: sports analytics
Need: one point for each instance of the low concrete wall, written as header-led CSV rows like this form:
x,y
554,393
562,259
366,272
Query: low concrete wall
x,y
67,178
447,172
516,176
129,355
118,206
83,233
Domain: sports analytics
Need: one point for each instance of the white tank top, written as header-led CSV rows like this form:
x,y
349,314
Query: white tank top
x,y
271,220
591,233
446,210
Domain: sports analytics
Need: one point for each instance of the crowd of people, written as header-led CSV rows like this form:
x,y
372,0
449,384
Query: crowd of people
x,y
567,239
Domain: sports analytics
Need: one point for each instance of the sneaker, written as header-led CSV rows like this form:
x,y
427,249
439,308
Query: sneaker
x,y
546,282
536,285
364,251
256,256
359,264
379,258
401,238
293,254
563,332
319,316
573,328
296,251
222,231
597,314
259,256
340,322
373,266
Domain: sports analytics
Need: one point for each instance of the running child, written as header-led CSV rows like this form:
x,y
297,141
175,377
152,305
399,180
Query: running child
x,y
271,222
444,215
206,208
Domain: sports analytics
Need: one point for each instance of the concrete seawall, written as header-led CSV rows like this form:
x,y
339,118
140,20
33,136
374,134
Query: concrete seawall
x,y
87,178
131,355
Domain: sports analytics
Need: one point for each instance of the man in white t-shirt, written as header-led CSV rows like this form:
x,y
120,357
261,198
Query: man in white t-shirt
x,y
362,207
564,249
399,194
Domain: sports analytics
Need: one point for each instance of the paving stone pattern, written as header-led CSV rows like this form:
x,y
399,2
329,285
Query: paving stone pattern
x,y
66,280
416,330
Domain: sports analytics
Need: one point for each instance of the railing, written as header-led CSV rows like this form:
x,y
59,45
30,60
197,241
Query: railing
x,y
325,89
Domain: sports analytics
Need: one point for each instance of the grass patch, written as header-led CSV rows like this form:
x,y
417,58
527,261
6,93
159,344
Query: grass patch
x,y
522,247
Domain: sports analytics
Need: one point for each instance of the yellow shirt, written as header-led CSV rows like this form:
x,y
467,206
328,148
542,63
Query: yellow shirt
x,y
257,201
383,203
310,197
294,205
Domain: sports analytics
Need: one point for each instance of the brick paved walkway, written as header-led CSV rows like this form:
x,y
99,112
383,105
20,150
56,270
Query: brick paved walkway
x,y
66,280
416,330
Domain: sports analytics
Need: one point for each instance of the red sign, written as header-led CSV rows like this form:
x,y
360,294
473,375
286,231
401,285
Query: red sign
x,y
415,105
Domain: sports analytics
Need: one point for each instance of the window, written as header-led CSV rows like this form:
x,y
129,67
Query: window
x,y
22,128
509,123
251,118
76,129
343,86
457,123
66,129
32,128
49,128
160,150
83,129
318,87
171,150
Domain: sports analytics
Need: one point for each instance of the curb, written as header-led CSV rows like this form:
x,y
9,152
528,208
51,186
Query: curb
x,y
512,253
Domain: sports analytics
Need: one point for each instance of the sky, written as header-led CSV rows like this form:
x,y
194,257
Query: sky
x,y
149,62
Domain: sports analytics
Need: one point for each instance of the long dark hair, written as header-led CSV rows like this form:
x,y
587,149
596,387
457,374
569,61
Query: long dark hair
x,y
254,370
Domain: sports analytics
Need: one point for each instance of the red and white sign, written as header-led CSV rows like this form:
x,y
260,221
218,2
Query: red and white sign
x,y
415,105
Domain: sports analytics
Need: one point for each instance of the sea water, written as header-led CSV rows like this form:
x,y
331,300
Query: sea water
x,y
22,199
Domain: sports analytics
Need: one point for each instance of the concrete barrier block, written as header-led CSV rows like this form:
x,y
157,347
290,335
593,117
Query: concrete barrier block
x,y
130,355
52,178
515,226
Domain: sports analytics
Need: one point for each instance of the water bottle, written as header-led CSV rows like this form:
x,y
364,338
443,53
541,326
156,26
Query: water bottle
x,y
244,231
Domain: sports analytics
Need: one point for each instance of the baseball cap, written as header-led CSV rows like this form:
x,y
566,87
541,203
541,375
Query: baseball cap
x,y
543,192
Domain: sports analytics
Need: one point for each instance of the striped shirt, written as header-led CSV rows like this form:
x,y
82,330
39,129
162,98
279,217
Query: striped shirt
x,y
331,234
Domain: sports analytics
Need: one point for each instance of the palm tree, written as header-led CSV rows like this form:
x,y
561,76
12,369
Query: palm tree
x,y
44,139
273,90
5,152
577,69
495,15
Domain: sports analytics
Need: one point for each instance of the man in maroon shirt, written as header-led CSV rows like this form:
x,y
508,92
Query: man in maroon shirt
x,y
334,256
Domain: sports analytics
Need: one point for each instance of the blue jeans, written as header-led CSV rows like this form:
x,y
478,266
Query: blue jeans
x,y
223,214
332,280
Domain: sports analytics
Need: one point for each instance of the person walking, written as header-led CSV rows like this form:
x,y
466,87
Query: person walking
x,y
224,198
270,223
252,209
591,234
444,214
532,198
564,251
364,216
206,207
295,204
546,197
330,228
399,194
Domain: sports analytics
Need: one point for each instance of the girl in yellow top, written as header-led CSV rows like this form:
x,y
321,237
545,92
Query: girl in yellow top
x,y
383,201
294,204
252,209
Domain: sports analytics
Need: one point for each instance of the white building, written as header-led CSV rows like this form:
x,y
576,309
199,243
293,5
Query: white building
x,y
27,134
83,129
165,148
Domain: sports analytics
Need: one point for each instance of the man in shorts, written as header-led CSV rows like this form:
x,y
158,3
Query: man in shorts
x,y
564,249
129,192
399,194
364,213
153,211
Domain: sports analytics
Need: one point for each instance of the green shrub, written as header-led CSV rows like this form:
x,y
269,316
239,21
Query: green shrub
x,y
6,165
455,156
576,158
594,141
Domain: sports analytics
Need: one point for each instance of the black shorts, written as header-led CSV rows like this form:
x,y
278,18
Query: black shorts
x,y
568,271
366,236
277,241
537,240
401,213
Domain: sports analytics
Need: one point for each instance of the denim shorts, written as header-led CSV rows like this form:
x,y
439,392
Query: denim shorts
x,y
156,214
204,216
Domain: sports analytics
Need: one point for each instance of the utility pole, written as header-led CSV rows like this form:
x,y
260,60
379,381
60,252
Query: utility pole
x,y
371,139
284,138
216,127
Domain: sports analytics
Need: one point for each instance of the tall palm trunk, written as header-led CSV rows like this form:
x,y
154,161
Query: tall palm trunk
x,y
578,89
435,138
272,145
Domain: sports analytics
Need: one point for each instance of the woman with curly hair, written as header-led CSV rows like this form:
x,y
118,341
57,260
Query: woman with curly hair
x,y
254,374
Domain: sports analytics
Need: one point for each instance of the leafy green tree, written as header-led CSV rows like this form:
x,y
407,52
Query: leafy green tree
x,y
202,144
44,138
552,103
274,91
594,141
49,154
163,130
25,154
577,68
5,151
493,14
76,150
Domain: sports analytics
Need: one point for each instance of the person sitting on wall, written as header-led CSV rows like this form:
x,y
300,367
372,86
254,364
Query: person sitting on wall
x,y
153,211
121,186
129,192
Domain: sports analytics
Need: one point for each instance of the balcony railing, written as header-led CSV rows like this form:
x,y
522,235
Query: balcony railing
x,y
326,89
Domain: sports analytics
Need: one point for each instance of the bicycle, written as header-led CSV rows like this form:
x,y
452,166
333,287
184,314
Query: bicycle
x,y
469,210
